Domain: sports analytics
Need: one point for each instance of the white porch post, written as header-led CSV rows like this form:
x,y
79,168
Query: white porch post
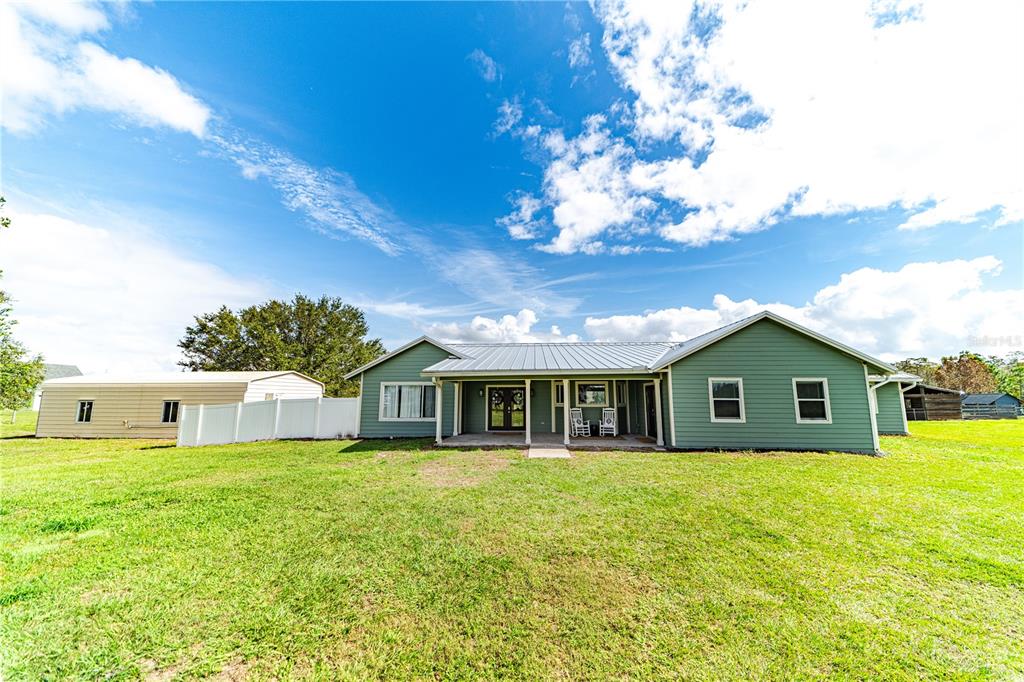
x,y
527,411
457,408
565,411
439,408
615,404
657,409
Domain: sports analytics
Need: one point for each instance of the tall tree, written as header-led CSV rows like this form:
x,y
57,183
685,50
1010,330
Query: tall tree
x,y
4,220
968,372
324,338
20,372
1010,373
922,367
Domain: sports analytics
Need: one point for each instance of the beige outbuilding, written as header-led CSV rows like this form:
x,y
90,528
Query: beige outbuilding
x,y
147,406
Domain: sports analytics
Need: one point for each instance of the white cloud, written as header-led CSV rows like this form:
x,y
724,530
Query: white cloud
x,y
485,66
521,223
928,309
330,199
508,329
587,184
108,299
510,112
760,111
45,68
579,52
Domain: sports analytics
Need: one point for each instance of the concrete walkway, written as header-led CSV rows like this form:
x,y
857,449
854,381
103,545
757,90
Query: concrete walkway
x,y
547,451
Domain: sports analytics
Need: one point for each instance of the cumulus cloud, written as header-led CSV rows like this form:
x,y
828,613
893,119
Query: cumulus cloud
x,y
760,111
485,66
929,309
106,298
46,67
522,223
508,329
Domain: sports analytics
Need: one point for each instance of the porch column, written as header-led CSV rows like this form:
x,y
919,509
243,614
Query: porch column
x,y
615,404
439,408
527,411
457,408
657,409
565,411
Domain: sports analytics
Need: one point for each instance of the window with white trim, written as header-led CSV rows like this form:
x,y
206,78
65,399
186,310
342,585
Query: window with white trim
x,y
810,396
84,412
407,401
726,400
559,393
593,394
170,413
620,393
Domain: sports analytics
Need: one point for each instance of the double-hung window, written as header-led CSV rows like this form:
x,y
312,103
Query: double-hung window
x,y
407,402
592,394
84,412
170,414
726,398
810,398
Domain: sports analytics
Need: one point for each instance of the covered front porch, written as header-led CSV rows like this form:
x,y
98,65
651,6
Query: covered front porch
x,y
518,440
509,411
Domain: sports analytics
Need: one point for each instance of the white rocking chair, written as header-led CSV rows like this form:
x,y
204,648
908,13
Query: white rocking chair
x,y
608,426
579,426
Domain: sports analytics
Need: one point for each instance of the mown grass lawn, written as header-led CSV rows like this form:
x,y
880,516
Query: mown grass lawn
x,y
24,423
126,559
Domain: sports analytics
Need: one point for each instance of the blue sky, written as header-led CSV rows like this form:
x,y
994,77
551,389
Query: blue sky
x,y
510,171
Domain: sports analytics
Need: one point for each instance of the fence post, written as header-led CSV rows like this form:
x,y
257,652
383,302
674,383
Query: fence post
x,y
238,420
277,415
316,416
199,426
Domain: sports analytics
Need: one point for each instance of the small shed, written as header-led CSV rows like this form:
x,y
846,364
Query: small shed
x,y
147,406
929,403
990,406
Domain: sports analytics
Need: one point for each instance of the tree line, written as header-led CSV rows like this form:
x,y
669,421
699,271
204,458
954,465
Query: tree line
x,y
971,373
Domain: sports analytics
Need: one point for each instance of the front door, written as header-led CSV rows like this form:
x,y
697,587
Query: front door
x,y
506,408
650,408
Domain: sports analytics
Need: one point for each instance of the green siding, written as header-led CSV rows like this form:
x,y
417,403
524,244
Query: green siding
x,y
405,366
767,356
890,409
474,406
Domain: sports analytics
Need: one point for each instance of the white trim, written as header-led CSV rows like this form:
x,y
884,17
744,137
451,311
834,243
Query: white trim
x,y
527,401
565,411
657,406
674,354
828,401
711,401
628,428
875,441
359,408
487,407
595,381
903,405
163,408
78,411
402,349
672,411
438,409
554,392
380,402
643,392
537,373
456,407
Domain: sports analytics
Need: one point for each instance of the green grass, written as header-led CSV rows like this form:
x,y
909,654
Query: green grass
x,y
24,423
126,559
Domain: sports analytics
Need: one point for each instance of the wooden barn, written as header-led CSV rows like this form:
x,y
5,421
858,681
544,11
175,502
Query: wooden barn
x,y
928,403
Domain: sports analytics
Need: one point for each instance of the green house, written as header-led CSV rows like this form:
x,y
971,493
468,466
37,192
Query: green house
x,y
763,382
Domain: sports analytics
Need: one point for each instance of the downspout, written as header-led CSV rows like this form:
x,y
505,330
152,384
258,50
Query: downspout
x,y
903,405
871,413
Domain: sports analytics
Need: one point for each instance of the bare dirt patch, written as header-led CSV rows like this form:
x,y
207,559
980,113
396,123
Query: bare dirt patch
x,y
235,671
464,469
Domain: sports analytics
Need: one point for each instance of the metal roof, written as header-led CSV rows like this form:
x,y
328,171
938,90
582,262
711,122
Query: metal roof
x,y
984,398
172,378
625,356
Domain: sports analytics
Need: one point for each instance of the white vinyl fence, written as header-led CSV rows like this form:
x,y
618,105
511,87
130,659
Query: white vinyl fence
x,y
267,420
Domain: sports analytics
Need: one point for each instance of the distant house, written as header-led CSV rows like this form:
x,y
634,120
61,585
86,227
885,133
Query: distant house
x,y
763,382
147,406
930,403
990,406
51,371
